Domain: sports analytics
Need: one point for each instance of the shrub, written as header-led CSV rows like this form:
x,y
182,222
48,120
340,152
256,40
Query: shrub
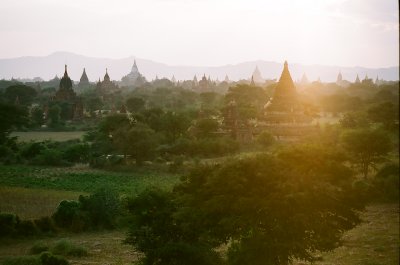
x,y
65,213
45,225
22,260
386,181
26,228
65,247
102,207
8,223
48,258
265,139
50,157
30,150
77,153
38,248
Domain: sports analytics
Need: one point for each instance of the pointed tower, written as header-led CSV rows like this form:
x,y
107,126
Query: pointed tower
x,y
284,113
203,83
66,82
377,80
304,79
106,76
357,80
173,80
134,68
257,76
227,79
84,81
285,95
339,78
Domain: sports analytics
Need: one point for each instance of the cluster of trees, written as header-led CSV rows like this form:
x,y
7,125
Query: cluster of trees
x,y
266,209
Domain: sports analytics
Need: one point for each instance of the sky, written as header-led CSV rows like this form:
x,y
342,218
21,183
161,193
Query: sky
x,y
206,32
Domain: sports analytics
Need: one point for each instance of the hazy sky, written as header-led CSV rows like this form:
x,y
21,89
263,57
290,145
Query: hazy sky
x,y
206,32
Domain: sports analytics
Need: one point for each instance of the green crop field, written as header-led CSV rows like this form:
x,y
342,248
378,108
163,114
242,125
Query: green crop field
x,y
42,136
83,179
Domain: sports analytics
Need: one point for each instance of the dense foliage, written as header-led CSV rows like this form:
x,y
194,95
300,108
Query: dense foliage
x,y
268,209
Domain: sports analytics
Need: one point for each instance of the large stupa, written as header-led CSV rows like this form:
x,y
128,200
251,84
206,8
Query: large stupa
x,y
284,114
134,78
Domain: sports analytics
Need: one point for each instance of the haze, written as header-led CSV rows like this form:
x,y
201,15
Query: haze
x,y
205,32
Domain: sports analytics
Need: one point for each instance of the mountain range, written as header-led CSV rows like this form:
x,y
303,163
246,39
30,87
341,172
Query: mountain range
x,y
47,67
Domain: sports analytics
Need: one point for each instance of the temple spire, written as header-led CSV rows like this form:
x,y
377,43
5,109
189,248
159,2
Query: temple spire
x,y
65,72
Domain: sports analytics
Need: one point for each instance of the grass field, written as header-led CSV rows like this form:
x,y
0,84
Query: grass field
x,y
83,179
374,242
105,247
32,203
41,136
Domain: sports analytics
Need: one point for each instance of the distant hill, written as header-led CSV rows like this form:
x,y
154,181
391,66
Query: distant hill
x,y
47,67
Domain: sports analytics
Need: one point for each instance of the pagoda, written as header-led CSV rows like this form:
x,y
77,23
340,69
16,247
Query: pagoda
x,y
106,87
84,81
65,94
134,78
65,91
284,114
256,76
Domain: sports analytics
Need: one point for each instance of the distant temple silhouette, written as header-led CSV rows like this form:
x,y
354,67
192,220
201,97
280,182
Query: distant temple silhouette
x,y
106,88
66,95
134,78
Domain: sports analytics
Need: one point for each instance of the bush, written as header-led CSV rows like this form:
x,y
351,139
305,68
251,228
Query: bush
x,y
65,247
102,208
386,181
45,225
8,224
50,157
26,228
65,213
23,260
38,248
48,258
265,139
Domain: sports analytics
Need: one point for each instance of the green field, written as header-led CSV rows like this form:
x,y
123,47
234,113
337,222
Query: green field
x,y
83,179
41,136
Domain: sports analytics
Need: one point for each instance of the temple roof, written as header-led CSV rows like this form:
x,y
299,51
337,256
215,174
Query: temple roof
x,y
84,78
285,85
106,76
134,68
65,82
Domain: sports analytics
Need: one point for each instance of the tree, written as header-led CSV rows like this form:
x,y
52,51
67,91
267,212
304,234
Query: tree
x,y
137,140
385,113
135,104
367,147
24,94
353,120
54,115
11,116
156,233
37,115
175,125
267,209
